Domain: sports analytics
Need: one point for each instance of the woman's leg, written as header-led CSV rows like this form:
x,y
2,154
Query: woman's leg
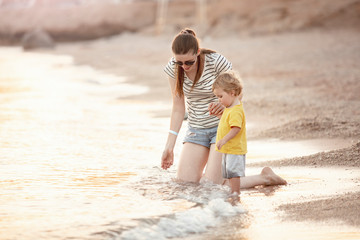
x,y
192,162
213,167
266,177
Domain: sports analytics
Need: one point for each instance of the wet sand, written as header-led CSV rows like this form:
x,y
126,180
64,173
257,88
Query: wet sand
x,y
298,86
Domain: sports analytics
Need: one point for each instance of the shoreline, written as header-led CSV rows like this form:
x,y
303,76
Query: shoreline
x,y
348,156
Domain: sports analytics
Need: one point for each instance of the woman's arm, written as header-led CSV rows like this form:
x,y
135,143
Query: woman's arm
x,y
177,117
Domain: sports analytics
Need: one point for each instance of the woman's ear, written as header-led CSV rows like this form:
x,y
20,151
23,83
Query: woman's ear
x,y
198,52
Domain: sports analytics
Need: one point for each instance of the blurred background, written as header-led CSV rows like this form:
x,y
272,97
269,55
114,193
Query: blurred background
x,y
69,20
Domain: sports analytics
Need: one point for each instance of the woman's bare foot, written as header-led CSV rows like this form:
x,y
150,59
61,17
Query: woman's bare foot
x,y
272,178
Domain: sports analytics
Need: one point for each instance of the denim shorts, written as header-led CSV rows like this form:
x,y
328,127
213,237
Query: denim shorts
x,y
233,165
202,136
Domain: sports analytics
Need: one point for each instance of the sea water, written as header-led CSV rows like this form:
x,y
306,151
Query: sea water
x,y
79,161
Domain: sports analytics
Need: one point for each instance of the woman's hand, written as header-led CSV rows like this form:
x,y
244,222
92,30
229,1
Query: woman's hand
x,y
167,158
216,109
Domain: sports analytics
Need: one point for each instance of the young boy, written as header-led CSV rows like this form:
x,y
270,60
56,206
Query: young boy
x,y
231,133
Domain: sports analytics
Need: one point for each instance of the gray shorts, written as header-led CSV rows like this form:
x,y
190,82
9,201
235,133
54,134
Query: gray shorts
x,y
233,165
202,136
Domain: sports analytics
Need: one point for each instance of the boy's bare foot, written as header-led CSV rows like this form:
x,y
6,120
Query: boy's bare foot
x,y
234,199
272,178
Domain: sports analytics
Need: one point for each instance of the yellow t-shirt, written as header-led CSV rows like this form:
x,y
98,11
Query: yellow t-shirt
x,y
233,117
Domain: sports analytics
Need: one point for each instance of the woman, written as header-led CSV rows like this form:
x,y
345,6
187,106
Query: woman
x,y
192,71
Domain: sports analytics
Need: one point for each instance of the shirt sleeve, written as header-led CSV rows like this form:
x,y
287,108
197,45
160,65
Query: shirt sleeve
x,y
222,64
169,69
236,119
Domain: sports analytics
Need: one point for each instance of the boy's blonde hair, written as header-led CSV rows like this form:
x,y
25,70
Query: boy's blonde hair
x,y
229,81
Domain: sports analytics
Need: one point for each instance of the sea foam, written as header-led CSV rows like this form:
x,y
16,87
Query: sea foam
x,y
192,221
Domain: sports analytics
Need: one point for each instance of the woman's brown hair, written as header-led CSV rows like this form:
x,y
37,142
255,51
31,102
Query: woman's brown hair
x,y
183,43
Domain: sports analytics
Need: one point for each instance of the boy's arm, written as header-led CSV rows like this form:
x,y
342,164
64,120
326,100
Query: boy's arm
x,y
232,133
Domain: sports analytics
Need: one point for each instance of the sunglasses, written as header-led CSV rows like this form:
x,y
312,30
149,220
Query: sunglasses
x,y
187,63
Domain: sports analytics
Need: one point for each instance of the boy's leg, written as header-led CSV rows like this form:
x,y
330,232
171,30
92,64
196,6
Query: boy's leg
x,y
235,185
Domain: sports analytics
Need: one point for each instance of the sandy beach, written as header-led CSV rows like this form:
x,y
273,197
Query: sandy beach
x,y
301,84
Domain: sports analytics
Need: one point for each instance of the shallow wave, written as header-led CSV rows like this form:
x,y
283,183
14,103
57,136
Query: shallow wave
x,y
192,221
207,206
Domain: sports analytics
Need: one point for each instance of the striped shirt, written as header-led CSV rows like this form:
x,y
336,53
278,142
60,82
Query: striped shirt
x,y
199,98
